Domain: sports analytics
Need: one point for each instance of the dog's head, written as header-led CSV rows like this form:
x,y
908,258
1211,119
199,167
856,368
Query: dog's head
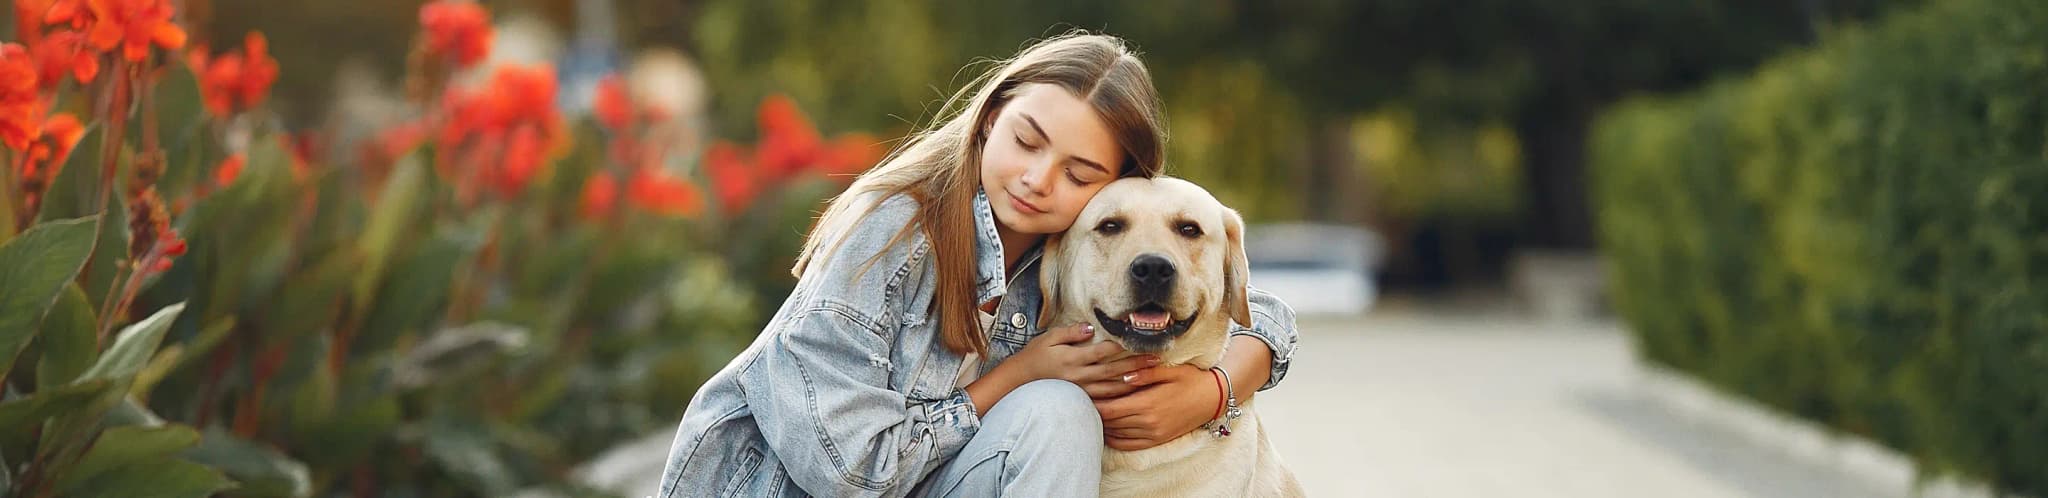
x,y
1152,263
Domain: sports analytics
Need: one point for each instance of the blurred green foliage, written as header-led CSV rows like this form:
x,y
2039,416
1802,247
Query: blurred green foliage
x,y
1857,234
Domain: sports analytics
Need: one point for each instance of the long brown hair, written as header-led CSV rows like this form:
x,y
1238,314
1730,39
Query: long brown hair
x,y
940,166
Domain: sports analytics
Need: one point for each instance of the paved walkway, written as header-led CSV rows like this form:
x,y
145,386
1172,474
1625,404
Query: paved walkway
x,y
1413,404
1417,405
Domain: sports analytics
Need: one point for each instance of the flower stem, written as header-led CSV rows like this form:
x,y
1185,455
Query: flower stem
x,y
17,202
111,307
115,114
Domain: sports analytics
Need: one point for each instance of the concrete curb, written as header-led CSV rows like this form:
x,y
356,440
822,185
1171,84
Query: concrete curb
x,y
1798,438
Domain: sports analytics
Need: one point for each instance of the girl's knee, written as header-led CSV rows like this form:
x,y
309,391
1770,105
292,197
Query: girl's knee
x,y
1058,405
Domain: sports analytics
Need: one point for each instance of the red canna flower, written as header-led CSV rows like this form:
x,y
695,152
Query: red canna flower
x,y
504,133
614,106
514,95
789,146
788,140
132,26
52,148
60,53
525,95
462,114
731,176
600,195
393,143
28,19
236,82
45,158
849,154
524,153
230,168
49,151
21,105
73,13
401,139
659,193
457,30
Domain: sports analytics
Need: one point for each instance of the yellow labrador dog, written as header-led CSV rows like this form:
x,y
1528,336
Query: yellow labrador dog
x,y
1159,265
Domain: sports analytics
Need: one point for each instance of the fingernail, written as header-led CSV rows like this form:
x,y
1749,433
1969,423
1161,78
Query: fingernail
x,y
1128,377
1088,328
1154,360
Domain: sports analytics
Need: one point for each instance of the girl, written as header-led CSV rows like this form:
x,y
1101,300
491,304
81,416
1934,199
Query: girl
x,y
906,361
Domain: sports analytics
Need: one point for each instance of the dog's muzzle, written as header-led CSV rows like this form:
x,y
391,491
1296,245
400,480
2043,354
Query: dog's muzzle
x,y
1147,327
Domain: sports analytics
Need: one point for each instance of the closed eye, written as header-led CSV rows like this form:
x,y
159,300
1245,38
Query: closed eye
x,y
1027,147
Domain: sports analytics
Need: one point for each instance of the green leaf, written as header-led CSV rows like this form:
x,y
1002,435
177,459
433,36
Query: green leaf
x,y
203,343
398,205
161,478
6,233
311,301
414,295
100,275
133,346
129,445
18,415
174,358
117,366
347,433
33,269
129,412
178,107
154,372
269,165
261,470
71,193
455,352
466,451
67,339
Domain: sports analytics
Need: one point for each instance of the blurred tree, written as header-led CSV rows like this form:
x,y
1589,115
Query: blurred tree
x,y
1546,67
1230,68
1264,96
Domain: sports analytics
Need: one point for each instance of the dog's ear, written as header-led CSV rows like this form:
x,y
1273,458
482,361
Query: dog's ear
x,y
1237,270
1049,274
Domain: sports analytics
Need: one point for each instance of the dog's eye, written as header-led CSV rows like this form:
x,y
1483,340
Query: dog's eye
x,y
1109,227
1190,230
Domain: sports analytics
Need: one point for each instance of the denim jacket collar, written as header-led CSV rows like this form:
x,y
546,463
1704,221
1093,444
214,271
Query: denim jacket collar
x,y
990,283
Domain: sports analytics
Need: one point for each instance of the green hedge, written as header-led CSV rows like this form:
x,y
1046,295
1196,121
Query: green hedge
x,y
1857,233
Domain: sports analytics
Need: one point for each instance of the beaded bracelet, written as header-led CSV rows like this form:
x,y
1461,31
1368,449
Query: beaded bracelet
x,y
1229,411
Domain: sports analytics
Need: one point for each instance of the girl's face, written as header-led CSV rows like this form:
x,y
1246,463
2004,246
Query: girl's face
x,y
1046,155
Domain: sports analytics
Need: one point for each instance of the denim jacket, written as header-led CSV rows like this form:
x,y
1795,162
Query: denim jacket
x,y
849,391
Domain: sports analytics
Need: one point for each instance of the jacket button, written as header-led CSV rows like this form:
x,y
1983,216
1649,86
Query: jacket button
x,y
1017,320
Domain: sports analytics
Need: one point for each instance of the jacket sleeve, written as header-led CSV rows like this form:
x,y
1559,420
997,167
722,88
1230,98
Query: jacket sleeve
x,y
1273,324
821,397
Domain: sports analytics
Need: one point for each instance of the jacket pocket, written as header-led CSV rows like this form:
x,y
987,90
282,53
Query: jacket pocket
x,y
749,463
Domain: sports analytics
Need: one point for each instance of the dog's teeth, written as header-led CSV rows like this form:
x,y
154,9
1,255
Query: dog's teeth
x,y
1149,320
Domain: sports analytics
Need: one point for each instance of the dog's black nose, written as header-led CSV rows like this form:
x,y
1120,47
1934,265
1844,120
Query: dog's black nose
x,y
1152,272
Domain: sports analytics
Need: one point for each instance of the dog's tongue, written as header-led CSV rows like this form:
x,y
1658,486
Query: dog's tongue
x,y
1149,320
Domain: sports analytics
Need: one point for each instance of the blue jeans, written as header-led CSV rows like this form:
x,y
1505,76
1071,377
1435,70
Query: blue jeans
x,y
1044,439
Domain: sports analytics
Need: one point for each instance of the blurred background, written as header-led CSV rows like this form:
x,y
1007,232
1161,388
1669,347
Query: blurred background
x,y
1564,248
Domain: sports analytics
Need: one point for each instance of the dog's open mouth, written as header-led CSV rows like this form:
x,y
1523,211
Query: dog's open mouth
x,y
1147,323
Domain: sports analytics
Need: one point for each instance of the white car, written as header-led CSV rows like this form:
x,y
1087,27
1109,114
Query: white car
x,y
1317,268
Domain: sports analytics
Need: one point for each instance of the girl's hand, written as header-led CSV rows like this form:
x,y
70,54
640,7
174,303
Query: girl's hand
x,y
1161,404
1066,353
